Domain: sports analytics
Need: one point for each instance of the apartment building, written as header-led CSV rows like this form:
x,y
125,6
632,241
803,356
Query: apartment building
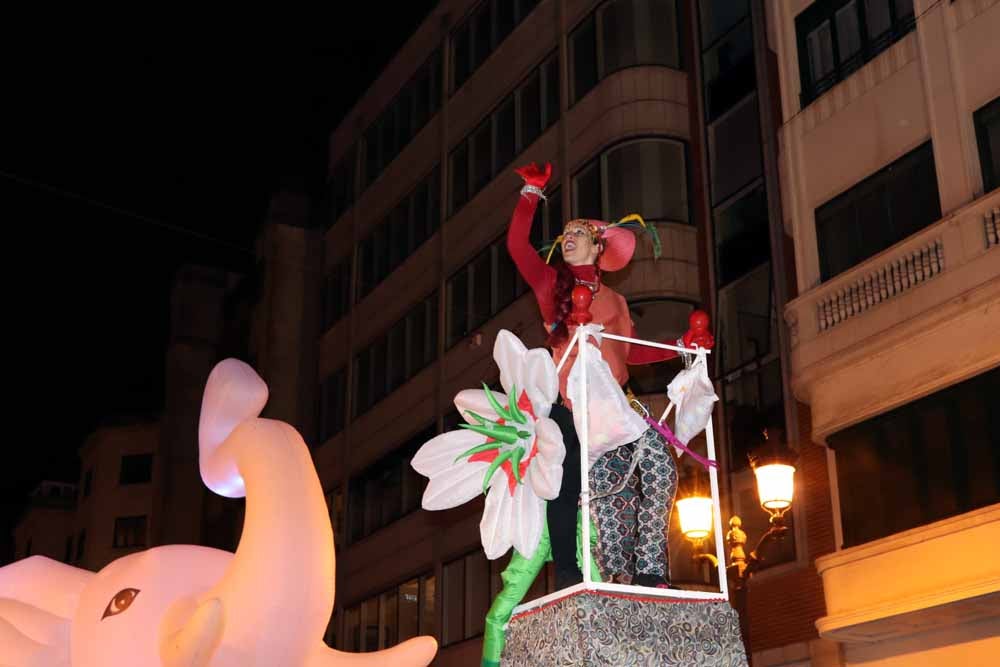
x,y
418,281
888,159
45,527
695,115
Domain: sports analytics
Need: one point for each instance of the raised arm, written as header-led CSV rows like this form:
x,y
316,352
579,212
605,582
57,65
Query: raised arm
x,y
540,276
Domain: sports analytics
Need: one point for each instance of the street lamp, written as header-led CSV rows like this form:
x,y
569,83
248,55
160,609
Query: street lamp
x,y
774,470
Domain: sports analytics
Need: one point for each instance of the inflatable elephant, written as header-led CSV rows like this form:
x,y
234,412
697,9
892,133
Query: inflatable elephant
x,y
267,605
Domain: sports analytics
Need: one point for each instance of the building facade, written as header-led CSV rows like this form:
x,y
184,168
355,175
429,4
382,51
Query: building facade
x,y
114,515
47,524
838,219
418,281
888,155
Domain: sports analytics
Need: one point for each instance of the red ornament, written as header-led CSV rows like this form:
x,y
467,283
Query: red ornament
x,y
582,298
698,333
698,321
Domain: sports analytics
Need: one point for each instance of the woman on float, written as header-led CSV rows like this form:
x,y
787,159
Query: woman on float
x,y
590,248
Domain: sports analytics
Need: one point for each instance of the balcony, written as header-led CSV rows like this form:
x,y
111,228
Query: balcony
x,y
920,580
917,317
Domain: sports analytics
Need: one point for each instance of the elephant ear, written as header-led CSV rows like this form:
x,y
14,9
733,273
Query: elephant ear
x,y
38,597
234,393
45,584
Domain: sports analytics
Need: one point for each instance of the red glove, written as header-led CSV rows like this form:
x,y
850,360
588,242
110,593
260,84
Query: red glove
x,y
533,174
698,333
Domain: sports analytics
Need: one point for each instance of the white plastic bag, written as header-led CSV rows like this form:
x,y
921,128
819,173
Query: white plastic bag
x,y
612,421
692,393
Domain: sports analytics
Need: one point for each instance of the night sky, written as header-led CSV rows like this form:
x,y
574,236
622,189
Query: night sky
x,y
123,158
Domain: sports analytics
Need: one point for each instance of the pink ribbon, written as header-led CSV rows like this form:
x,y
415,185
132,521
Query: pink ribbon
x,y
669,436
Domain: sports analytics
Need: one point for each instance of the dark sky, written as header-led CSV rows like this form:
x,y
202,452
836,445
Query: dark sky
x,y
109,150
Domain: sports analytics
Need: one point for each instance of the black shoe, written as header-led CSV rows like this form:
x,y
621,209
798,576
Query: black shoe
x,y
567,578
650,580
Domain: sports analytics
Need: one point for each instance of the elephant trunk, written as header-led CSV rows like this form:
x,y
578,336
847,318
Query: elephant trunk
x,y
277,595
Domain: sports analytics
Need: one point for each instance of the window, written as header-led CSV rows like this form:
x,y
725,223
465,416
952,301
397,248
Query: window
x,y
343,184
488,25
337,293
734,149
405,116
657,320
620,34
518,120
88,481
836,37
400,613
719,16
878,212
987,122
469,584
925,461
136,469
388,490
729,70
647,176
548,221
81,543
742,237
402,352
130,531
333,405
746,326
481,289
405,228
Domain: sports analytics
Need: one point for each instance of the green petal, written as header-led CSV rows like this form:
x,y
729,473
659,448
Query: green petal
x,y
497,462
495,404
515,461
505,434
475,450
515,411
479,418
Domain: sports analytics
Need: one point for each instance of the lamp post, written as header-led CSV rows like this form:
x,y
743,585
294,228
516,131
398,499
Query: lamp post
x,y
774,470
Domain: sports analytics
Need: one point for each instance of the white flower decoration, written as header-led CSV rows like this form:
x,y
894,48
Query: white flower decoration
x,y
508,449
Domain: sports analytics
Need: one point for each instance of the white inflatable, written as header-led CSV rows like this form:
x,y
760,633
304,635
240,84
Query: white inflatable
x,y
173,606
508,449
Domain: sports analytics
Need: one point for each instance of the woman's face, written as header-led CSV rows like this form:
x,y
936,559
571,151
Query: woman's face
x,y
578,246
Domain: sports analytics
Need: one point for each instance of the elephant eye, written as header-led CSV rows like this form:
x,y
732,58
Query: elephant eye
x,y
122,600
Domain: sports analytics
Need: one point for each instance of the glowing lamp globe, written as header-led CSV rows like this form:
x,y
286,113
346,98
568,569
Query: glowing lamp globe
x,y
695,517
775,486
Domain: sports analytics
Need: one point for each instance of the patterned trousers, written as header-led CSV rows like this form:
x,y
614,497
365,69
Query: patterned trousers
x,y
633,490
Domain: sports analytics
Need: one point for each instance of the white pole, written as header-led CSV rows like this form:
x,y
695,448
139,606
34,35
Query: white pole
x,y
713,476
649,343
584,434
569,348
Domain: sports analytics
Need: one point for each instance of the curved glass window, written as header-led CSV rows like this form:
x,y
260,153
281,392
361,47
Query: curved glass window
x,y
620,34
645,176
